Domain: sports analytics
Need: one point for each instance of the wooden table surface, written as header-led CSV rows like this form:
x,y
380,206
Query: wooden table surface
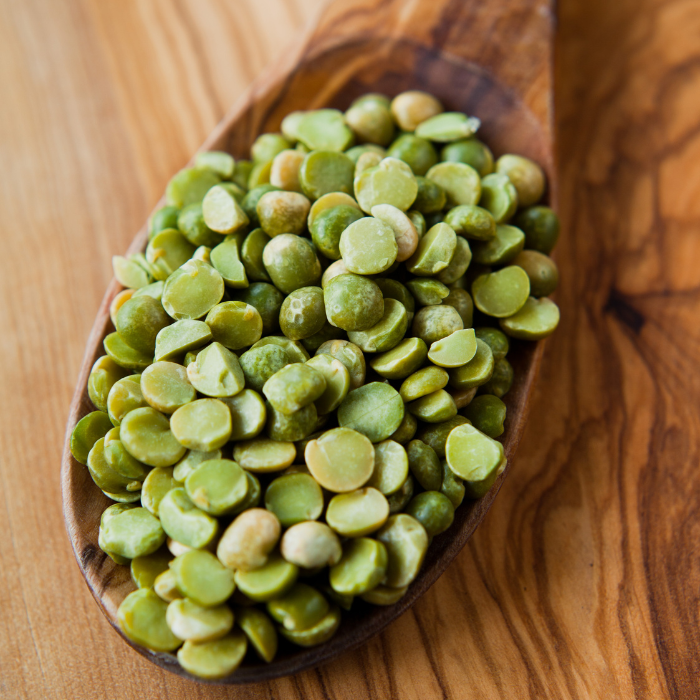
x,y
584,579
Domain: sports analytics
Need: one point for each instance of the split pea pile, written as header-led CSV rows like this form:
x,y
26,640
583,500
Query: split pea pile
x,y
307,372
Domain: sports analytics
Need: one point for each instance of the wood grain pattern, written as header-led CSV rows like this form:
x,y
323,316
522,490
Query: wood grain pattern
x,y
582,582
345,56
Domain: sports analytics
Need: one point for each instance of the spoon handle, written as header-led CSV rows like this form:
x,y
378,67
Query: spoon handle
x,y
512,39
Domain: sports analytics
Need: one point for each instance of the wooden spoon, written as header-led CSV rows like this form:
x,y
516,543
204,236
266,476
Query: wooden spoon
x,y
492,60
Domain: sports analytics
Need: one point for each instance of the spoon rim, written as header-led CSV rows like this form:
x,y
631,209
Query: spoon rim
x,y
454,538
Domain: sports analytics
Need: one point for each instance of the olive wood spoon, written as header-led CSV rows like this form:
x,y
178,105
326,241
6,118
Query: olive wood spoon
x,y
491,60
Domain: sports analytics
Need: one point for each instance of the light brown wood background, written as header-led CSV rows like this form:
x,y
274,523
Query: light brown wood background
x,y
584,579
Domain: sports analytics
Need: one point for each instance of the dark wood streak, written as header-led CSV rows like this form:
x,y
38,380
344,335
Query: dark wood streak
x,y
298,684
318,673
88,554
367,655
623,602
387,663
623,310
425,641
482,634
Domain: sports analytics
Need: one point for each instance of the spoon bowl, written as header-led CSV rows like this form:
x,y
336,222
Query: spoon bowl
x,y
355,48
